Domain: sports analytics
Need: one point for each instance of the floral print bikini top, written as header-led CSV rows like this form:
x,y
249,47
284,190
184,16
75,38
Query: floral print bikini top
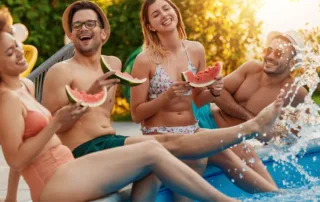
x,y
161,81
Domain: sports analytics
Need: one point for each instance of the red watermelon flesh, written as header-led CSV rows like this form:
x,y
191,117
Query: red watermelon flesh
x,y
125,78
95,100
203,78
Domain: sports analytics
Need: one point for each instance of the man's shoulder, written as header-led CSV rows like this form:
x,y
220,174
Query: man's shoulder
x,y
252,66
256,64
60,68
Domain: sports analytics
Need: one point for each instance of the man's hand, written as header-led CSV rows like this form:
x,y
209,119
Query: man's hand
x,y
102,82
217,86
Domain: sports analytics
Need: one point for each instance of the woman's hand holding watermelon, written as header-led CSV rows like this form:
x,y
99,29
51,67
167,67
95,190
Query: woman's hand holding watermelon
x,y
178,89
69,113
216,87
103,81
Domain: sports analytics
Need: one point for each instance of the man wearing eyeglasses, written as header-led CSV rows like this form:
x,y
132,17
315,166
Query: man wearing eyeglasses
x,y
253,86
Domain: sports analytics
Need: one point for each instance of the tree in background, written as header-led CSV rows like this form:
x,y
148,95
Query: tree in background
x,y
43,20
126,34
228,29
312,39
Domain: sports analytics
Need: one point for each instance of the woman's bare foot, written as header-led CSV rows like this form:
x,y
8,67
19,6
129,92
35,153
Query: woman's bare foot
x,y
266,118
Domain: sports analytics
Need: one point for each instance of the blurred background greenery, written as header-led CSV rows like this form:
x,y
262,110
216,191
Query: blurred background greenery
x,y
228,29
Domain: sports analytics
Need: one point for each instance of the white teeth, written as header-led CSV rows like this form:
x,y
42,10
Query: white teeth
x,y
168,21
82,37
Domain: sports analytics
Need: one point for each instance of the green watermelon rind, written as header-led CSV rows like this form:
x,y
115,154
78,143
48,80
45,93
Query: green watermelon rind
x,y
123,81
74,100
197,85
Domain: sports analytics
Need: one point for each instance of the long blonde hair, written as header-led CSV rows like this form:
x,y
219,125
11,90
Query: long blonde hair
x,y
151,40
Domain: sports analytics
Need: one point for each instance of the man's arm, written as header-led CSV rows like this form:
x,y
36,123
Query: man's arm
x,y
232,82
54,94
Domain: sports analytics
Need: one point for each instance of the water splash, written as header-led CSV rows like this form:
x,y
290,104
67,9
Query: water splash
x,y
303,118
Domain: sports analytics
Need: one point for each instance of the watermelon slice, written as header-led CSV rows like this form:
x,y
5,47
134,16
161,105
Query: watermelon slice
x,y
125,78
203,78
87,100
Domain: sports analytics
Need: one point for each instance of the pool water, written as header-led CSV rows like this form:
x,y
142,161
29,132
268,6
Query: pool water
x,y
298,178
305,193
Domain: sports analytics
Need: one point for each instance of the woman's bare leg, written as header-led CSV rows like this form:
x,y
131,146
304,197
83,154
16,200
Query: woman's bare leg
x,y
210,142
242,175
145,189
199,166
101,173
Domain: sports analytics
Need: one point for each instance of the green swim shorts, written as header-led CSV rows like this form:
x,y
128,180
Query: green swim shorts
x,y
99,144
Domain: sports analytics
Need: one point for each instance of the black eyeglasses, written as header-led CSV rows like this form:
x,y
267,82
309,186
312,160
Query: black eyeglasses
x,y
90,24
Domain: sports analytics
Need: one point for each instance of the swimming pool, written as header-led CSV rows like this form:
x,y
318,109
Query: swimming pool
x,y
296,186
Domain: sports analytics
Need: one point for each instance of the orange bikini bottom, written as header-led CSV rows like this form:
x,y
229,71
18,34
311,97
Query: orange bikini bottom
x,y
39,172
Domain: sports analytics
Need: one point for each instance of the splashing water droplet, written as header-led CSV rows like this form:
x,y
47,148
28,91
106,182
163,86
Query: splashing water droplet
x,y
244,169
239,135
314,158
252,160
232,180
241,126
240,175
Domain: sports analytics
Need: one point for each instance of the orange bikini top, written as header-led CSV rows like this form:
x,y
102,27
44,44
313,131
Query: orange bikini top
x,y
34,121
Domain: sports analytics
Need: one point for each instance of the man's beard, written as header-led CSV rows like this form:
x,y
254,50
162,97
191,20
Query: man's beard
x,y
88,50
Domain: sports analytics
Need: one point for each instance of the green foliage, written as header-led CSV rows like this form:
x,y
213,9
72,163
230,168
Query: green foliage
x,y
228,29
312,38
43,20
126,34
316,97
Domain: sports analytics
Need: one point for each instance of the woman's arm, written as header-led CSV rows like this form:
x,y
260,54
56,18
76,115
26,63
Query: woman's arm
x,y
19,153
141,108
13,183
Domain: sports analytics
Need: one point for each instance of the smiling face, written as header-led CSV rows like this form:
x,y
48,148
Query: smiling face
x,y
11,56
162,17
278,57
87,34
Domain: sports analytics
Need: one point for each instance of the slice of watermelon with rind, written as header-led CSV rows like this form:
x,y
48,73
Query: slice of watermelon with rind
x,y
125,78
86,100
203,78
